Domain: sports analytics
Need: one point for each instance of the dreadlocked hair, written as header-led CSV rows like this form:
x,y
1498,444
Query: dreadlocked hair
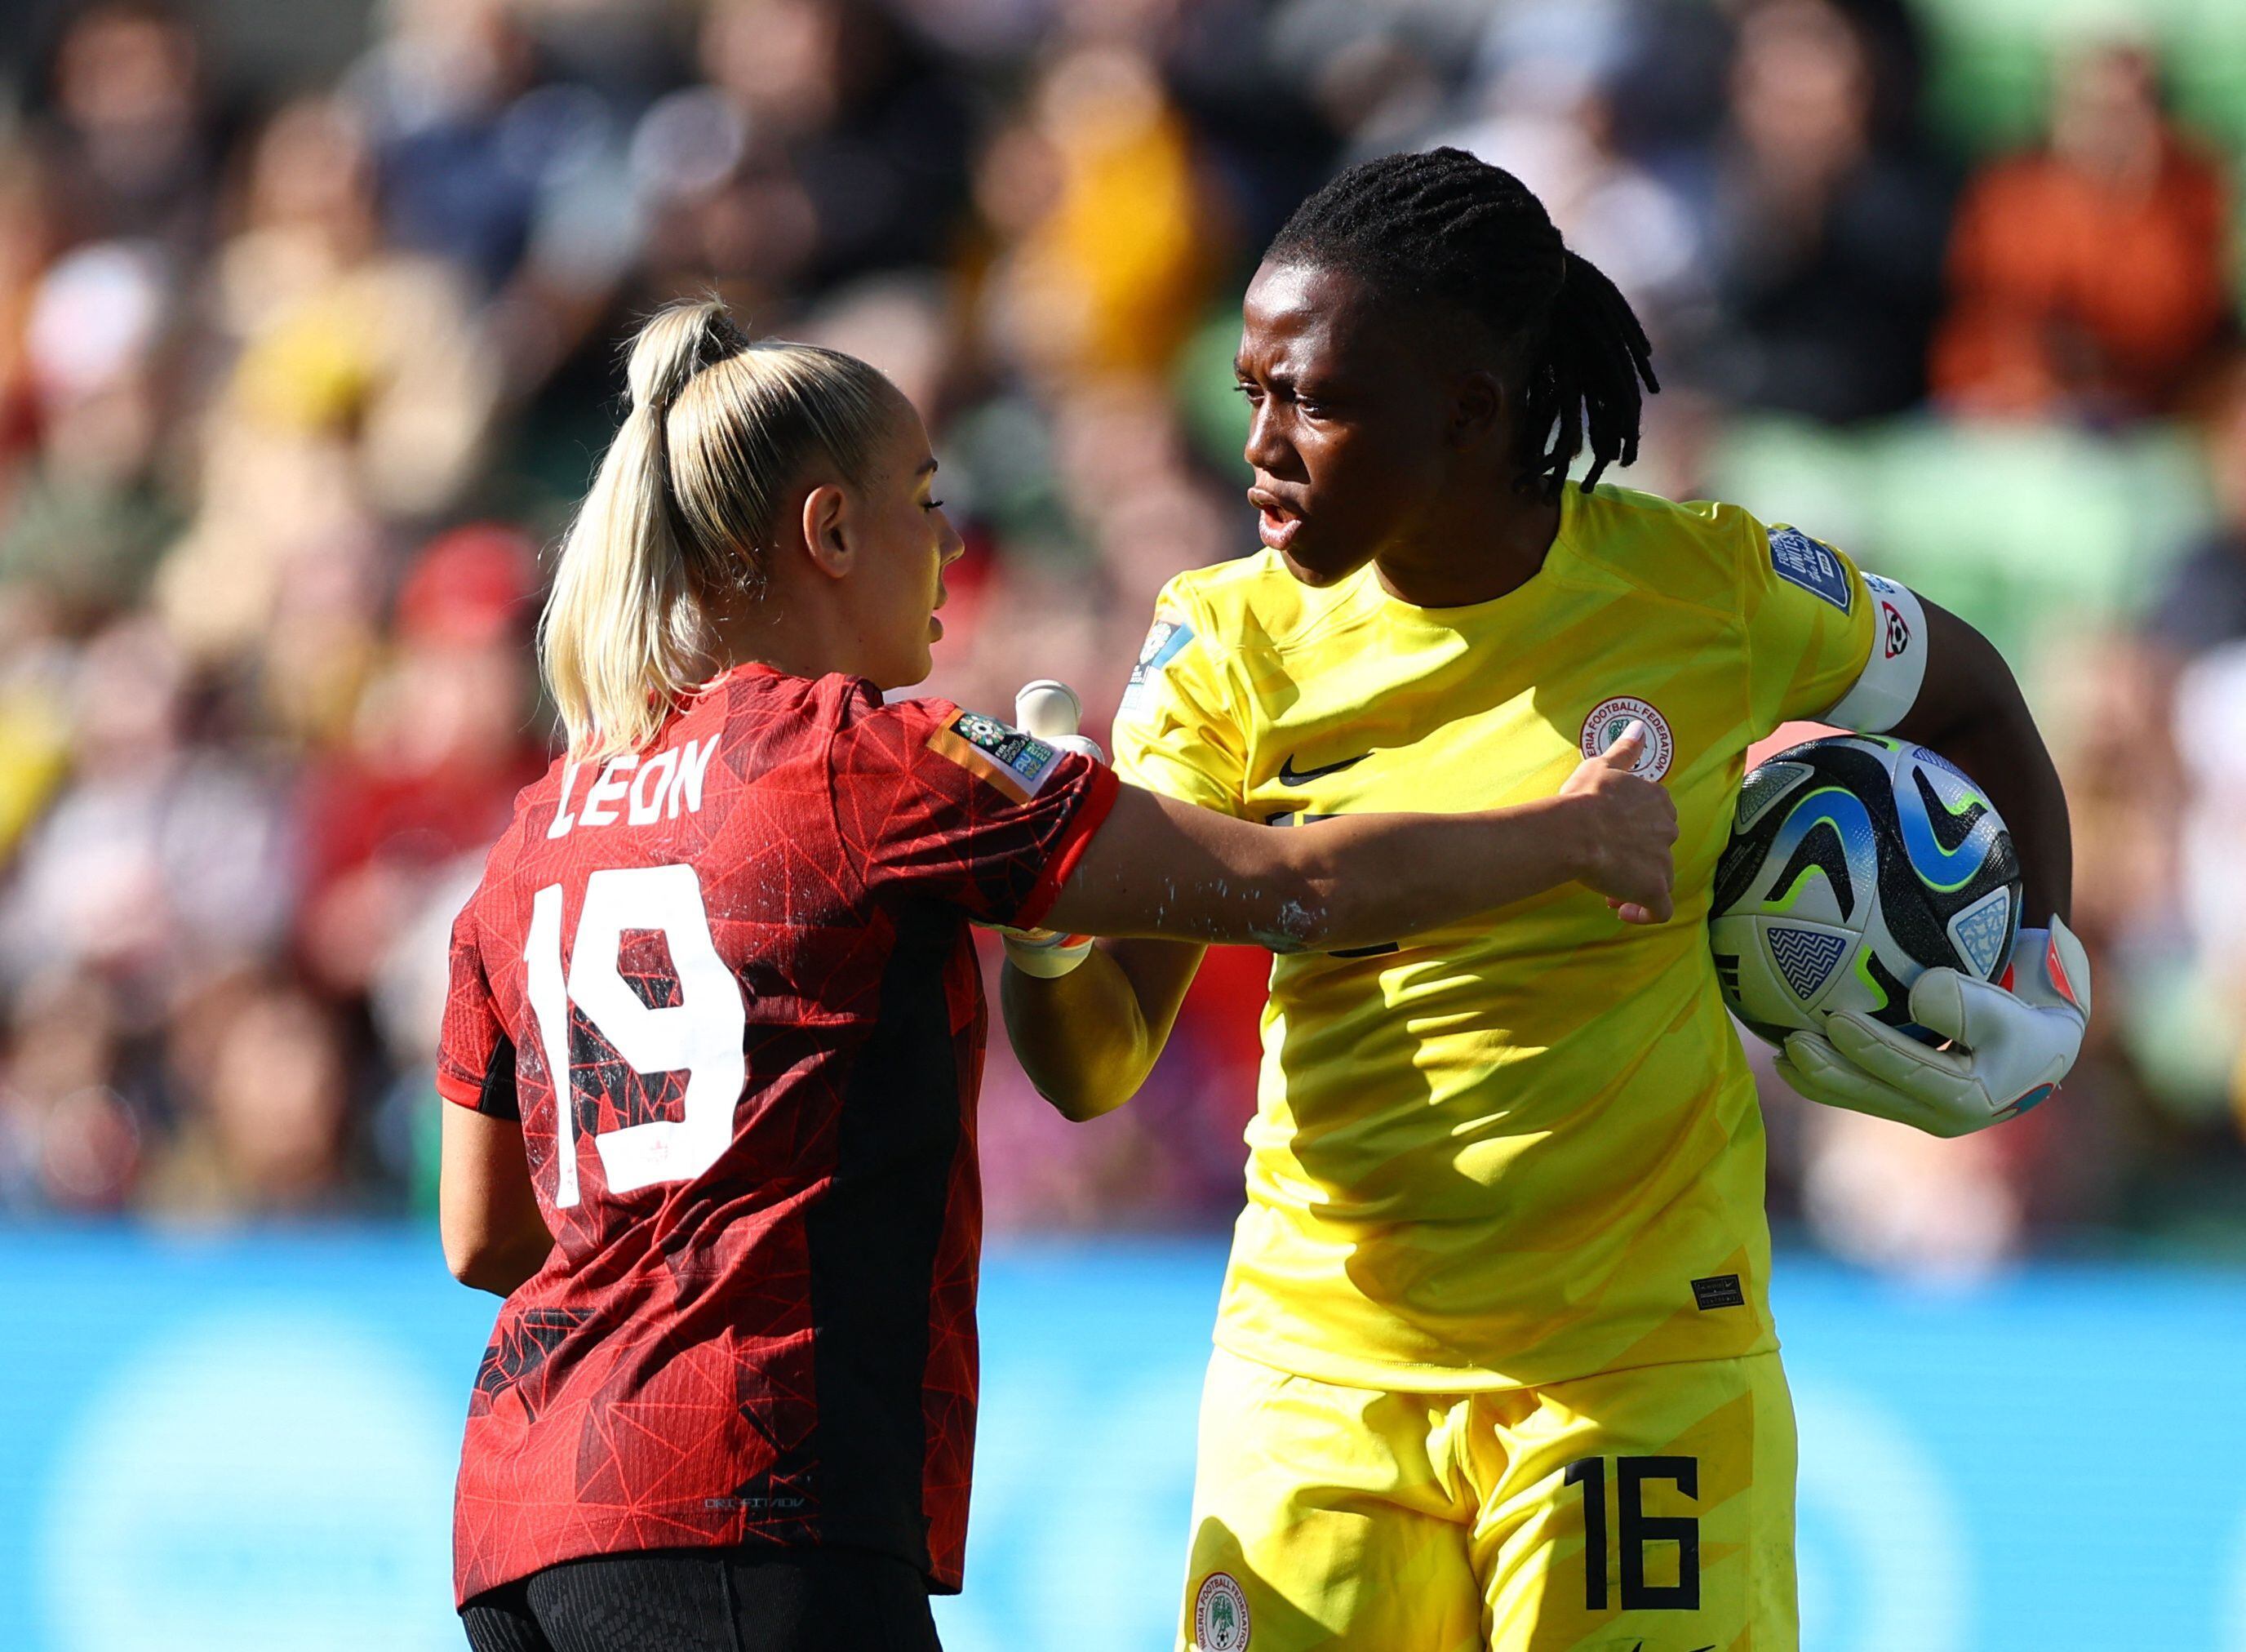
x,y
1444,226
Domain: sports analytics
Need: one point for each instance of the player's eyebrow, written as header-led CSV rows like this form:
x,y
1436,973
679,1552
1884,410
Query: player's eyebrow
x,y
1279,379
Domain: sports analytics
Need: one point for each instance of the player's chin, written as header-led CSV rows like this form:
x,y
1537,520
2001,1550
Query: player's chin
x,y
1311,558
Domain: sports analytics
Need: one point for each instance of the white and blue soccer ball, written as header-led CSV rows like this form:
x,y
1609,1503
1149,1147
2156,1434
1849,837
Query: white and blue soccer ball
x,y
1855,864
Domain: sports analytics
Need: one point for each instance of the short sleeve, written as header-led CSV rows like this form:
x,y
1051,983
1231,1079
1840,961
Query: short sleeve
x,y
1174,733
960,807
475,1058
1809,624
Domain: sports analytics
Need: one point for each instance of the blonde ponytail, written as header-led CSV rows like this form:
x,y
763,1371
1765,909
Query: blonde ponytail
x,y
680,513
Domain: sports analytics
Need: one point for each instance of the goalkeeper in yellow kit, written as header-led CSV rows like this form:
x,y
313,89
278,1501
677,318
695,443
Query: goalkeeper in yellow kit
x,y
1495,1366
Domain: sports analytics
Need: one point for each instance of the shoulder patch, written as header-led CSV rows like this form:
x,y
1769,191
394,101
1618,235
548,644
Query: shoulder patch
x,y
1811,564
1166,638
1016,763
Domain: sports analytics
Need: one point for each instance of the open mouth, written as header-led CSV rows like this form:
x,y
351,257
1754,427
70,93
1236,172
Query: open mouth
x,y
1277,522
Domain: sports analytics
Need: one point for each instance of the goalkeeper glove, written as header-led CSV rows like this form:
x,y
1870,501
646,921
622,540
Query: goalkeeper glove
x,y
1050,711
2009,1046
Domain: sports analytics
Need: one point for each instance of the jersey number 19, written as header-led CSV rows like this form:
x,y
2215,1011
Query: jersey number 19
x,y
701,1033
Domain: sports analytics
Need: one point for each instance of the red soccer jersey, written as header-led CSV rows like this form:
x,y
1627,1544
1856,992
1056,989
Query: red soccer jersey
x,y
748,948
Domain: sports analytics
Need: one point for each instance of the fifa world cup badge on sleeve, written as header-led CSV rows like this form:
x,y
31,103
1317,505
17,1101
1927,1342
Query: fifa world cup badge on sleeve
x,y
1801,561
1165,639
1220,1615
1014,762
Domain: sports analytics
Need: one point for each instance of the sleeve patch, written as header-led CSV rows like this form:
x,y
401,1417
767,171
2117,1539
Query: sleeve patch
x,y
1897,634
1896,670
1165,639
1797,558
1014,762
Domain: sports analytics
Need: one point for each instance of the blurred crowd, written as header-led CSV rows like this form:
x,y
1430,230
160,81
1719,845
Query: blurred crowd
x,y
296,387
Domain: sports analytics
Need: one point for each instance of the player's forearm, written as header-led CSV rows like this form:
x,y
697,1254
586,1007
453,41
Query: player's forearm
x,y
1975,716
500,1265
1160,868
488,1216
1374,877
2005,755
1082,1037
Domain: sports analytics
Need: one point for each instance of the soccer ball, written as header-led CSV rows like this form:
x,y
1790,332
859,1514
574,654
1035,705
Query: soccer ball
x,y
1855,863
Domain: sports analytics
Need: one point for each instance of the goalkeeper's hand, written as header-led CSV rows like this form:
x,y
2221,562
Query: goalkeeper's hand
x,y
2007,1052
1050,711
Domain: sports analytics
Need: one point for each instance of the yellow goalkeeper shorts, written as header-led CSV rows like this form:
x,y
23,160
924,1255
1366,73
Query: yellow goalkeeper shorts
x,y
1639,1511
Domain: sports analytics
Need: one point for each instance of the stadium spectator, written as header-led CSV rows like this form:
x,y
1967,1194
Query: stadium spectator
x,y
133,142
1112,238
1827,245
165,858
440,744
360,387
266,1086
2092,278
2204,603
68,1141
90,512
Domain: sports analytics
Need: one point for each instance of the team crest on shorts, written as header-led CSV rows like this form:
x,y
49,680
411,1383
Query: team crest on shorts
x,y
1610,717
1220,1615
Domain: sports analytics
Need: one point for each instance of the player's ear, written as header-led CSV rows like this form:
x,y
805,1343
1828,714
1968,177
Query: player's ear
x,y
1478,408
827,529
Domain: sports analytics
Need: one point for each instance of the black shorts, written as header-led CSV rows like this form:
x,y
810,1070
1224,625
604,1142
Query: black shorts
x,y
777,1600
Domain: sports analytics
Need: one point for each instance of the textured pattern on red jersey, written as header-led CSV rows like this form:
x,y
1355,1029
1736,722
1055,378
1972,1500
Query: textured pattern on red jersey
x,y
758,1324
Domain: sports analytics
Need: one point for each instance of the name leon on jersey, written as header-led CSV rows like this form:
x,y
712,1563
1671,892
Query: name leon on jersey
x,y
640,794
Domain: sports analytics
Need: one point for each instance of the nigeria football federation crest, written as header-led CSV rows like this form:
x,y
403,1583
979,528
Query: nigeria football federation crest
x,y
1220,1615
1610,717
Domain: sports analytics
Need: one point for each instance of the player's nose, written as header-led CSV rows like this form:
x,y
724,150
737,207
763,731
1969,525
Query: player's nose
x,y
1267,448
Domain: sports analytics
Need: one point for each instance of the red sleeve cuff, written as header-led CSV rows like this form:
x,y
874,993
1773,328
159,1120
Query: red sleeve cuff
x,y
1099,798
459,1091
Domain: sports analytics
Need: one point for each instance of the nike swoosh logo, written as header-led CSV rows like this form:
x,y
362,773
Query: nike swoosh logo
x,y
1289,775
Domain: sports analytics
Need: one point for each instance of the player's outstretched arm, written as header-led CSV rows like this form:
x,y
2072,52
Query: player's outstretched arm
x,y
2009,1044
1161,868
494,1236
1087,1036
1088,1024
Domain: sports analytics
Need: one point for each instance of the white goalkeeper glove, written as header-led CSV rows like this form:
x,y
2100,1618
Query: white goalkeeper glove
x,y
1049,711
2007,1051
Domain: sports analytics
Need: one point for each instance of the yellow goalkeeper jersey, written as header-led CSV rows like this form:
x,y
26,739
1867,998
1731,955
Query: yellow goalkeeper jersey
x,y
1524,1148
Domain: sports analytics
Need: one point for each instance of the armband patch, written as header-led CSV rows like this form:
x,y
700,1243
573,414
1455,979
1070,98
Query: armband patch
x,y
1801,561
1016,763
1165,639
1892,677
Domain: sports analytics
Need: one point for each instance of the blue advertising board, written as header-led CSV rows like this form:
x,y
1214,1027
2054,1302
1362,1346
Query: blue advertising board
x,y
248,1444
